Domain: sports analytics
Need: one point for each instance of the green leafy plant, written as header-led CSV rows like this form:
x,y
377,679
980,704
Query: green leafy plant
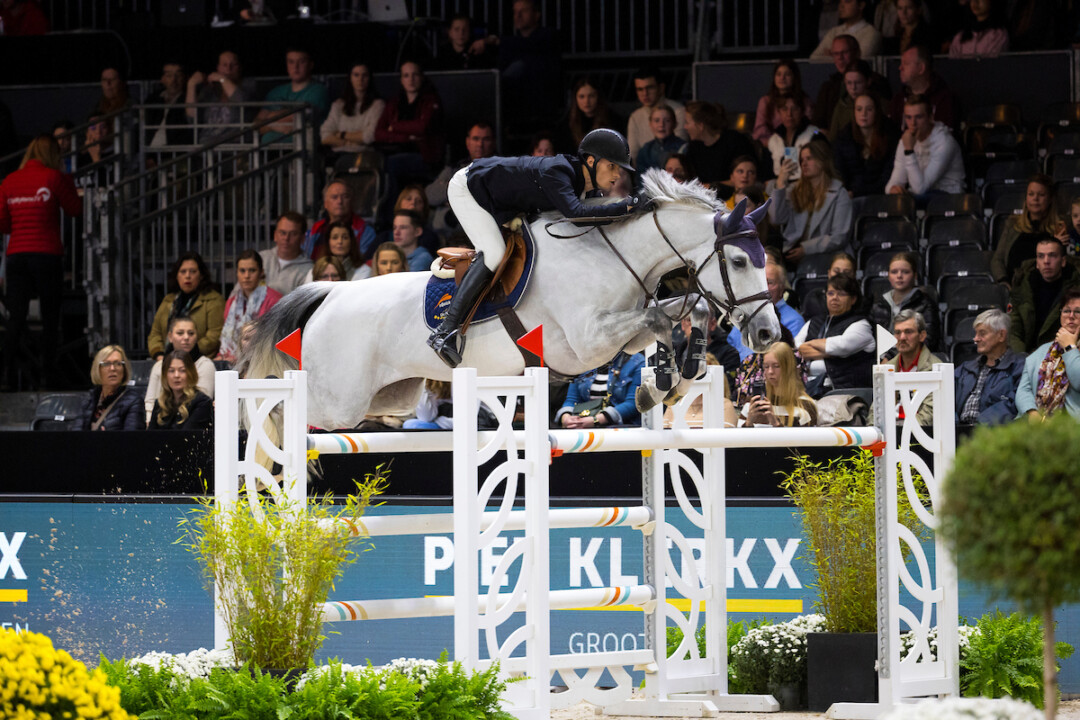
x,y
736,630
836,500
1009,515
404,689
275,564
1004,658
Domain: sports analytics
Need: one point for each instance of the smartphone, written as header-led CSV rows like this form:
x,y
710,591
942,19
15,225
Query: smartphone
x,y
757,388
790,154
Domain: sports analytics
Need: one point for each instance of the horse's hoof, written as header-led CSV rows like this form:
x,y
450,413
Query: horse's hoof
x,y
644,400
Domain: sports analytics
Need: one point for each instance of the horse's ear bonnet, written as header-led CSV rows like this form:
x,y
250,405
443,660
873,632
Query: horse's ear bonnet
x,y
739,229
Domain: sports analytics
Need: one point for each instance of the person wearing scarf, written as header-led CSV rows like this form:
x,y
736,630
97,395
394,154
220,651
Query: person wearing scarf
x,y
112,404
191,294
1051,378
249,299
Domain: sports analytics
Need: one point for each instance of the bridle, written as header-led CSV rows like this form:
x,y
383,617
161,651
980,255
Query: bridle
x,y
729,305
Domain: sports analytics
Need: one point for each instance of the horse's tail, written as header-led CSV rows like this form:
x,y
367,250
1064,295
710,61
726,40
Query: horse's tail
x,y
260,358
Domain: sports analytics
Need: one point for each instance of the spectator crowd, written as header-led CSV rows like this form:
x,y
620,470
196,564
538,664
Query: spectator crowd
x,y
883,211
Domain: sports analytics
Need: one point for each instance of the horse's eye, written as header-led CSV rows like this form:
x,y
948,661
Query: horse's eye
x,y
739,262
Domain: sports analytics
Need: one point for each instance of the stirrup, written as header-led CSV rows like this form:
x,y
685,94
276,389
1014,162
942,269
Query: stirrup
x,y
448,346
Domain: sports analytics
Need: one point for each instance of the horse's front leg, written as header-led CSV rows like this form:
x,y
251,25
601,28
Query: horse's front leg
x,y
642,328
694,364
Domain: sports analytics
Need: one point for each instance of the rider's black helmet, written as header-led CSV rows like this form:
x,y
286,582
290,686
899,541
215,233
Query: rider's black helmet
x,y
605,144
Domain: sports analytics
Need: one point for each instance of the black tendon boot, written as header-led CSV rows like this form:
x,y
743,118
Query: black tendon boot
x,y
445,340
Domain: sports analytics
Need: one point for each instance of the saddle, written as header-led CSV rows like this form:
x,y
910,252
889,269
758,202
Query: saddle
x,y
506,276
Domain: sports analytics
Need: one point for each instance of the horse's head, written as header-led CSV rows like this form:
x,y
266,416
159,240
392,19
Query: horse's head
x,y
740,264
725,253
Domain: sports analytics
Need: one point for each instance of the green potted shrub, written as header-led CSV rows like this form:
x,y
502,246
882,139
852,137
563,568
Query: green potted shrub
x,y
1010,515
275,564
836,503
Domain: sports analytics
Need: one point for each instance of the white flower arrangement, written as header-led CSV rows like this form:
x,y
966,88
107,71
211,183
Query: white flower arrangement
x,y
966,709
197,663
777,652
417,669
964,635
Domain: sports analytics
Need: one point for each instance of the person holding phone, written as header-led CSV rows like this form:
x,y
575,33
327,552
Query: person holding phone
x,y
779,399
794,131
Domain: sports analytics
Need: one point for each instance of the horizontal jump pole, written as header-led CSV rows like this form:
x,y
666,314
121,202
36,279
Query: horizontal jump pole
x,y
443,605
443,523
604,440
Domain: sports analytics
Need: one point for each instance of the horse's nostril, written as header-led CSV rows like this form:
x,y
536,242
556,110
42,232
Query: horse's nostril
x,y
764,336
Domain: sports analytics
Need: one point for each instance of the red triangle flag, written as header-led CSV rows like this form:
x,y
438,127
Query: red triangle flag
x,y
290,345
533,341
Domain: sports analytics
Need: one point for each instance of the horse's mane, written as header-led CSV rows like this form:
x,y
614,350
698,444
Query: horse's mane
x,y
661,186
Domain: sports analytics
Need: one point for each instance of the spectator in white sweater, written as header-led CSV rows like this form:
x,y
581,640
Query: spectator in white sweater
x,y
928,158
850,15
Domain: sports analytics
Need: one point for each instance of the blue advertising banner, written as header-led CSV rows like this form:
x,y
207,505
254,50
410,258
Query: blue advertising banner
x,y
110,578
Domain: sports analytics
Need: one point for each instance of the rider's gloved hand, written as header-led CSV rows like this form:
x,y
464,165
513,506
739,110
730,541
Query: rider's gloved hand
x,y
637,203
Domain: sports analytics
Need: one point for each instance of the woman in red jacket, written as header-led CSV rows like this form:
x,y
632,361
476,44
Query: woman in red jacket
x,y
30,203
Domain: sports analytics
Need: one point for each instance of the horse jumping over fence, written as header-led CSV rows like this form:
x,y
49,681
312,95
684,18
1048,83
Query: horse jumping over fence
x,y
365,343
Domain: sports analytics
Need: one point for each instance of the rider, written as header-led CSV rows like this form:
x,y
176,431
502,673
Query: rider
x,y
494,190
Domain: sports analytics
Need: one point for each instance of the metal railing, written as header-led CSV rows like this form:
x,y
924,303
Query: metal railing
x,y
216,198
590,28
756,26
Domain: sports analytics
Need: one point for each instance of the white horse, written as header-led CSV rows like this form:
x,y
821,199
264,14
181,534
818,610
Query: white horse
x,y
364,343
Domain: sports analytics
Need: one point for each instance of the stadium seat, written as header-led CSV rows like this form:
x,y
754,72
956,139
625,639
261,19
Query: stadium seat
x,y
951,206
949,234
876,270
1066,170
986,126
58,411
968,301
1004,176
1007,205
962,347
962,267
1065,145
895,234
876,208
813,272
1056,119
140,371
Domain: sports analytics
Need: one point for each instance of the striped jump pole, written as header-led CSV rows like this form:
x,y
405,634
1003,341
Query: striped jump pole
x,y
604,440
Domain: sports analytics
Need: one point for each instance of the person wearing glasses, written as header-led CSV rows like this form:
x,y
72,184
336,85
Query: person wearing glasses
x,y
1051,379
111,404
839,346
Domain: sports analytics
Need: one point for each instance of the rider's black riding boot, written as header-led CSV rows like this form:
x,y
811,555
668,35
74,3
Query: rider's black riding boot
x,y
445,340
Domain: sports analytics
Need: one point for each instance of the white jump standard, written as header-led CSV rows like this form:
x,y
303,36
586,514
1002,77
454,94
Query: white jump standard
x,y
685,684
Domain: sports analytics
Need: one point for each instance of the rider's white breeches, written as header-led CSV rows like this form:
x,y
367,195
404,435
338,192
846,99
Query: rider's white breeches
x,y
477,222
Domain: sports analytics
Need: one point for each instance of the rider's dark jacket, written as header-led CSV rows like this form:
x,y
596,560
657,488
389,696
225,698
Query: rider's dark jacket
x,y
508,186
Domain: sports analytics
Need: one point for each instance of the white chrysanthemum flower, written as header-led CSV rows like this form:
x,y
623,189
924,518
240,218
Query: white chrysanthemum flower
x,y
966,709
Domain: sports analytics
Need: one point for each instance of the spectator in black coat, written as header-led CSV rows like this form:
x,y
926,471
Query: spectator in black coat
x,y
180,405
112,404
865,149
712,146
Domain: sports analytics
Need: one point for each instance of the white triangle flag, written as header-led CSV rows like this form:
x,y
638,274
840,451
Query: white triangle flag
x,y
886,341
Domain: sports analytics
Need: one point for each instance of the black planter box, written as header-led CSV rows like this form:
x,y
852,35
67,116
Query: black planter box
x,y
840,668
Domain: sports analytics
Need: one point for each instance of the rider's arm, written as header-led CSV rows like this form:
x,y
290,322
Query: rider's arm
x,y
559,188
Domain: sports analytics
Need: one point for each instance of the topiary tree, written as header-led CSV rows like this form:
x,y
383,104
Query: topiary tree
x,y
1011,516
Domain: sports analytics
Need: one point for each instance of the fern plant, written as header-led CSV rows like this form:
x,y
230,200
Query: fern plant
x,y
1004,659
